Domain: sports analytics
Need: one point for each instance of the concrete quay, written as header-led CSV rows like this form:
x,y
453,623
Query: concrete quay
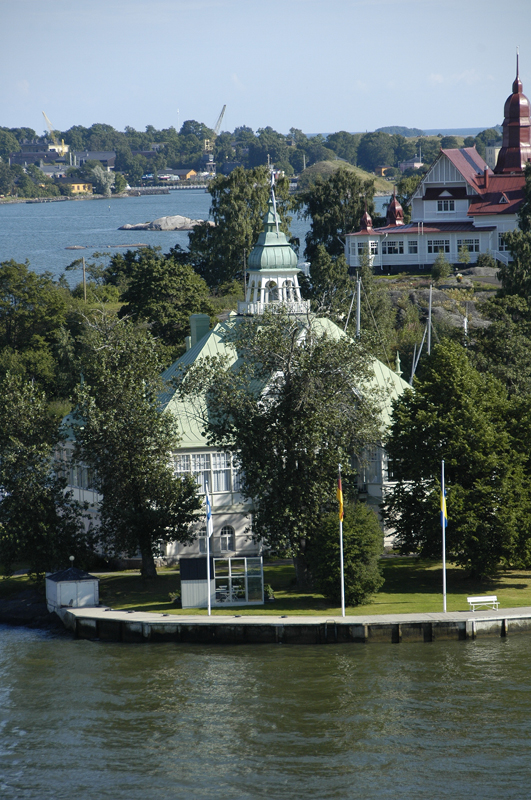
x,y
106,624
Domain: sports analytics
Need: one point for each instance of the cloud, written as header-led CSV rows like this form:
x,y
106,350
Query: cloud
x,y
435,77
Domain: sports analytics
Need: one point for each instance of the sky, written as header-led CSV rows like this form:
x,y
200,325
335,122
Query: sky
x,y
353,65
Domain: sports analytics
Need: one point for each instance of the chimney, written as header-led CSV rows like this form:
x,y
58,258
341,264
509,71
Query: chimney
x,y
486,176
199,327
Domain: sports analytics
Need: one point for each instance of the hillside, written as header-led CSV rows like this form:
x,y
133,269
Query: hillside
x,y
324,169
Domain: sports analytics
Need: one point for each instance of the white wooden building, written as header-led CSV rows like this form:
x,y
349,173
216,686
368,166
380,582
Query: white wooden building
x,y
460,203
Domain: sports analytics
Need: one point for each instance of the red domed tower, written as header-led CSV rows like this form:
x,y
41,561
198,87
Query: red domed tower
x,y
395,212
516,145
366,221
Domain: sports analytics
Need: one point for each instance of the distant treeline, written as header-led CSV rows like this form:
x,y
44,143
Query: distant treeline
x,y
156,150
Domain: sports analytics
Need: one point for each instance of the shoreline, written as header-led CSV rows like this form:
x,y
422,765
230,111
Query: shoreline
x,y
108,625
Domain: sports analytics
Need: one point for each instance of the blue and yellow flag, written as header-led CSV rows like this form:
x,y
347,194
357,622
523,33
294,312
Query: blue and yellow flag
x,y
444,515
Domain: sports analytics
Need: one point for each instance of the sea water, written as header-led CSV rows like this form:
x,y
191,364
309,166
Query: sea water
x,y
441,721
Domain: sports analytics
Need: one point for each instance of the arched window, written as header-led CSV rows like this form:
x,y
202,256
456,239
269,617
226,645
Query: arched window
x,y
272,291
227,538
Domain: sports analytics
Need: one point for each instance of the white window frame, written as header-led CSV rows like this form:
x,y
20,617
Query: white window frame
x,y
413,247
472,245
438,245
444,206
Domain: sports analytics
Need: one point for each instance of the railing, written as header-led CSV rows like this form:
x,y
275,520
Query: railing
x,y
288,307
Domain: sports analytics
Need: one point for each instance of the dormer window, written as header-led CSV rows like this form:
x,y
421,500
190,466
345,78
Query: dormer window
x,y
445,205
503,198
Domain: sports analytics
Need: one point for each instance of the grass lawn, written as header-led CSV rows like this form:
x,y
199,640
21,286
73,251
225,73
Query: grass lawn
x,y
411,585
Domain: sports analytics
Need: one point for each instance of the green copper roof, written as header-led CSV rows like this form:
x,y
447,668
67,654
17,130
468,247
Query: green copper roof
x,y
272,250
218,342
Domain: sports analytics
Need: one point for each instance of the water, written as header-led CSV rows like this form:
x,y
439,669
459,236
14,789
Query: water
x,y
158,722
40,232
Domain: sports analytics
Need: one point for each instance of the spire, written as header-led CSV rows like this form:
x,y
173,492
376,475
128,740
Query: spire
x,y
366,220
516,145
395,212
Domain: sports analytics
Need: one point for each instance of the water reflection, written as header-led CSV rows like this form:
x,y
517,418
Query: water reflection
x,y
85,720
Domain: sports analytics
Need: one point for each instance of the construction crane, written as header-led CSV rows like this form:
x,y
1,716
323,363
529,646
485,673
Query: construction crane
x,y
62,148
209,143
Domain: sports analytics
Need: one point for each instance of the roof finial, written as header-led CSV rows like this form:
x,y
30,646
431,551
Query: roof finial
x,y
517,60
273,198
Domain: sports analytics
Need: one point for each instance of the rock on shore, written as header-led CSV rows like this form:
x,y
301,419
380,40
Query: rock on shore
x,y
175,223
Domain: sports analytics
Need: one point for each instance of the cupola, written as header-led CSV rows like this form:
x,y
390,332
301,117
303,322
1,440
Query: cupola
x,y
272,270
515,151
395,212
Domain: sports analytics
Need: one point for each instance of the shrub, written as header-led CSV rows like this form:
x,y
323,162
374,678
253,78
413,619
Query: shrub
x,y
362,548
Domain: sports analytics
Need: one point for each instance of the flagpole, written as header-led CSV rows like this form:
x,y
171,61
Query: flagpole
x,y
342,566
209,533
443,525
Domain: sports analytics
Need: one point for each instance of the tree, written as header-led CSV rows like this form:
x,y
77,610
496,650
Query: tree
x,y
463,417
102,180
335,207
40,524
33,309
376,149
120,183
164,292
331,286
128,443
440,268
362,549
503,348
464,255
239,202
296,403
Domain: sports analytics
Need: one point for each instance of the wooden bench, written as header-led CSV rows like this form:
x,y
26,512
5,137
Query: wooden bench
x,y
489,601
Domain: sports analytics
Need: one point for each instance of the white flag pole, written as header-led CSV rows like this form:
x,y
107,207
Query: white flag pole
x,y
341,562
209,534
443,525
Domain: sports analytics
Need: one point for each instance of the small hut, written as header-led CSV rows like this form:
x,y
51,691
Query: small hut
x,y
71,588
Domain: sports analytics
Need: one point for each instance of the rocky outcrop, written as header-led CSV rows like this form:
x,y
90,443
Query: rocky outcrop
x,y
175,223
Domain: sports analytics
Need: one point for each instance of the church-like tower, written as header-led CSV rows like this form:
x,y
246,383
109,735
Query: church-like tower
x,y
272,271
515,152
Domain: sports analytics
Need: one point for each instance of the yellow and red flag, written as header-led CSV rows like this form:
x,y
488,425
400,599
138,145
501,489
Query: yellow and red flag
x,y
340,496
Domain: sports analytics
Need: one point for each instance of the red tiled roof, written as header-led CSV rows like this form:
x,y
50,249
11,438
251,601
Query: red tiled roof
x,y
491,200
426,227
470,164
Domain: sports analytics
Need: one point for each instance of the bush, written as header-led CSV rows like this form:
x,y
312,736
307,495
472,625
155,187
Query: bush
x,y
441,268
362,548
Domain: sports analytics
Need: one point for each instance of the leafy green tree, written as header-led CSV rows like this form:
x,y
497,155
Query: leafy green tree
x,y
119,183
345,145
40,524
335,207
296,403
376,149
461,416
164,292
405,189
8,143
128,443
441,268
239,202
377,316
464,255
503,348
449,142
362,549
488,136
33,309
331,286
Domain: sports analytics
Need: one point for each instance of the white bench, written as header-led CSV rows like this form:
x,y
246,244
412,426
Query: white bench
x,y
489,601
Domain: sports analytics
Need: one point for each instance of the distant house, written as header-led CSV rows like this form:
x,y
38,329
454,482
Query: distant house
x,y
460,203
76,187
106,158
411,163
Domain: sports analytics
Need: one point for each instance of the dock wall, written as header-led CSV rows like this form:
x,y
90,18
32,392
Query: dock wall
x,y
119,628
